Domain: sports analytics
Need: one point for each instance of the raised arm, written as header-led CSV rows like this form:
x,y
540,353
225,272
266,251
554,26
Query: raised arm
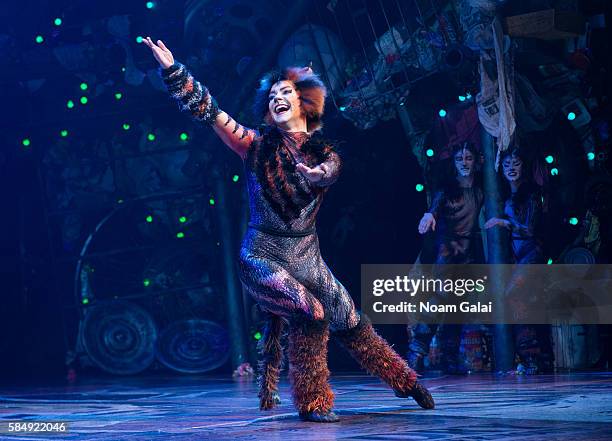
x,y
194,98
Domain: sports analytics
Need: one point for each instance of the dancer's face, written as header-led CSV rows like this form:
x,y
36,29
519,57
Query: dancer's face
x,y
284,102
513,168
464,162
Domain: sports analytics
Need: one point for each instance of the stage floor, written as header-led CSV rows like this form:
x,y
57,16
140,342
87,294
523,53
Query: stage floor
x,y
478,407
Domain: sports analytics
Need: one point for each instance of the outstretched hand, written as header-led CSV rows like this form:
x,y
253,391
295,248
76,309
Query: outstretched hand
x,y
428,222
161,53
314,174
495,221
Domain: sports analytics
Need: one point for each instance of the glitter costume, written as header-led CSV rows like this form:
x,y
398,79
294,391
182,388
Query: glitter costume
x,y
280,262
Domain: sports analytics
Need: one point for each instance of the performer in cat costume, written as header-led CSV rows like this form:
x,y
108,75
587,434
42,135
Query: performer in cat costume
x,y
289,166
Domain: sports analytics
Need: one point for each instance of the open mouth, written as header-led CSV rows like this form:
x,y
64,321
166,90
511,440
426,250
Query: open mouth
x,y
281,108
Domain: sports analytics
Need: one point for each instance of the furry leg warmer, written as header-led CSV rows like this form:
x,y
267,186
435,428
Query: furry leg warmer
x,y
308,370
375,355
271,356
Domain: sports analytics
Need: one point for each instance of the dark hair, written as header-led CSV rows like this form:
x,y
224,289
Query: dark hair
x,y
310,87
527,187
449,182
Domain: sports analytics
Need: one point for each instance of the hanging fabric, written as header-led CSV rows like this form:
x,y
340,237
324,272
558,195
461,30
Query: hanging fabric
x,y
496,98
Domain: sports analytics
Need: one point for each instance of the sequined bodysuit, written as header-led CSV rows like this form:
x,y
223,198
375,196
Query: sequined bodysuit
x,y
280,262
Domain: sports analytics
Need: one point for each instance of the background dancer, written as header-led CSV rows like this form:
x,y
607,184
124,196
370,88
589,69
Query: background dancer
x,y
453,215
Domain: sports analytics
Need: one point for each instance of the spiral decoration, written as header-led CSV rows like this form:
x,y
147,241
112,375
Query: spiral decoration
x,y
193,346
119,337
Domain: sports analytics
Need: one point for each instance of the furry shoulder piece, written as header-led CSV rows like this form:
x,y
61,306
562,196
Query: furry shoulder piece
x,y
284,188
310,87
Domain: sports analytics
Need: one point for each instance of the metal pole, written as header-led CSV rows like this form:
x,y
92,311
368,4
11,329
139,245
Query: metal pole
x,y
233,297
497,252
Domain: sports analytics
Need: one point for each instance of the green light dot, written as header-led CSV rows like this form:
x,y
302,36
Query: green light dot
x,y
118,95
211,201
85,301
83,86
151,137
235,178
120,201
149,218
571,116
139,39
550,261
442,113
419,187
549,159
146,282
184,136
182,219
39,39
150,5
429,152
126,126
573,221
180,235
64,133
461,98
84,100
554,171
70,104
590,156
57,21
257,335
26,142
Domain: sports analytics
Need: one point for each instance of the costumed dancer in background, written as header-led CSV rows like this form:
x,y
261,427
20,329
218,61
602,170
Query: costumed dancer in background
x,y
289,167
453,215
522,217
522,210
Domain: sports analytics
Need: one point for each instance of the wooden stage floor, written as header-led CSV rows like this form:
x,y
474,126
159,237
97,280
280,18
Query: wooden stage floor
x,y
478,407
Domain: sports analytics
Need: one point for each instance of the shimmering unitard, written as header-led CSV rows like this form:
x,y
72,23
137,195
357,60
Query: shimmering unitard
x,y
280,261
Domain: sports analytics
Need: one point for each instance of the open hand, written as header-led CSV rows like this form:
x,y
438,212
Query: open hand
x,y
428,221
161,53
495,221
314,174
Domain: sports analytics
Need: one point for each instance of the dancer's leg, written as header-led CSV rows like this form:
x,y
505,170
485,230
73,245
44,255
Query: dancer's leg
x,y
271,355
278,292
420,337
375,355
308,370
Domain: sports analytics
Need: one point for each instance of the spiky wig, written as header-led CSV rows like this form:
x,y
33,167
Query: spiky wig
x,y
311,89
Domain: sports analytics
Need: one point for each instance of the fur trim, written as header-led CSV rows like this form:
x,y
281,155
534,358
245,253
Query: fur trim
x,y
310,87
375,355
271,352
308,370
282,185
